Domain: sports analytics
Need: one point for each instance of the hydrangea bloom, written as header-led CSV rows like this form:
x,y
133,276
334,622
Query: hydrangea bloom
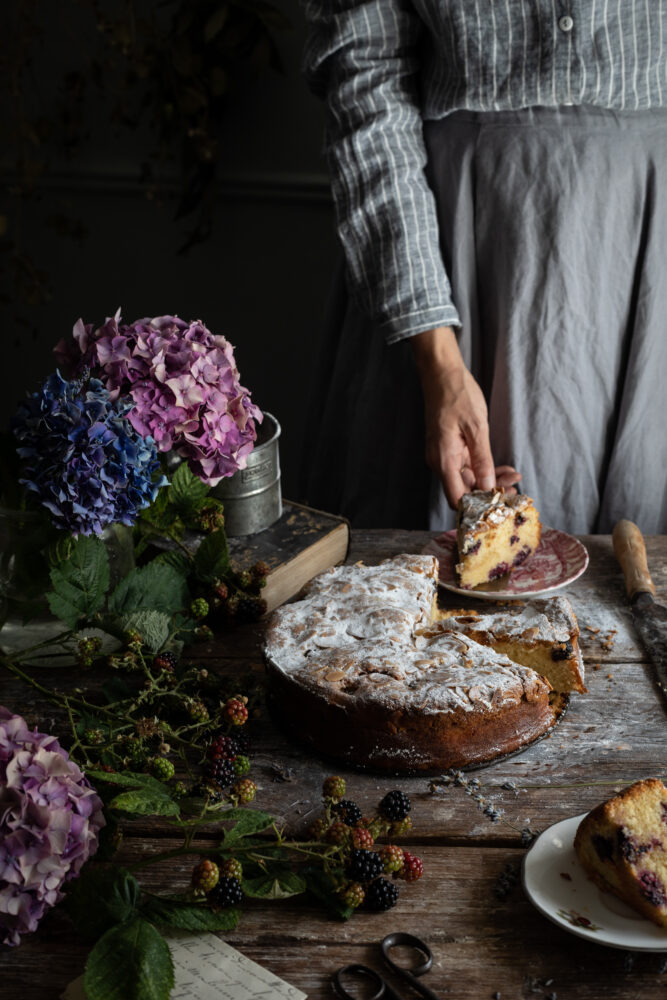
x,y
83,458
50,818
184,384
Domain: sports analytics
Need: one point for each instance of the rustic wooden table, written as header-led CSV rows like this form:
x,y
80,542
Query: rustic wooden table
x,y
483,945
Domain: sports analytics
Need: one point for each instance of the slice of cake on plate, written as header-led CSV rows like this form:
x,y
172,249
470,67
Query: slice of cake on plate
x,y
496,532
622,845
542,634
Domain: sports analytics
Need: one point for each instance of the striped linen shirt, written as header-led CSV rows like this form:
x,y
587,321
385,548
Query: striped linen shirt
x,y
385,66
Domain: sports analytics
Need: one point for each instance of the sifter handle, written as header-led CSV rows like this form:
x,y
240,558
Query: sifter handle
x,y
631,554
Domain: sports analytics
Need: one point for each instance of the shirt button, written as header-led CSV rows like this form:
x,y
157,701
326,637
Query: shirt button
x,y
566,23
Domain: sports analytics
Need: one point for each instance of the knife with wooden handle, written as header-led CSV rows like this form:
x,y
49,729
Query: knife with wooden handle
x,y
650,619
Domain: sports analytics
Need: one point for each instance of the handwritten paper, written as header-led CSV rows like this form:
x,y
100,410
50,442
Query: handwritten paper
x,y
206,968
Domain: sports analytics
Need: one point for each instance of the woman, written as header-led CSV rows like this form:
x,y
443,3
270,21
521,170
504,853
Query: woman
x,y
516,149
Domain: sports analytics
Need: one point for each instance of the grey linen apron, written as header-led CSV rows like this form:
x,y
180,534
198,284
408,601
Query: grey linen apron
x,y
553,228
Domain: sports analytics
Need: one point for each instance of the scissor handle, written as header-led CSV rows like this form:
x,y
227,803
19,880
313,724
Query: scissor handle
x,y
410,975
358,970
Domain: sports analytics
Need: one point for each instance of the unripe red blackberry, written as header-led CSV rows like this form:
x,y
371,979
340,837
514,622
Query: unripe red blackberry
x,y
161,768
318,829
165,661
227,892
338,833
231,868
221,590
245,790
362,838
334,788
260,569
353,894
236,711
381,895
413,868
205,876
196,709
244,579
392,858
223,746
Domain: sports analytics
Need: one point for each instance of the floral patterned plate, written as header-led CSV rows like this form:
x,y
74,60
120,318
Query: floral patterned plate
x,y
558,887
558,560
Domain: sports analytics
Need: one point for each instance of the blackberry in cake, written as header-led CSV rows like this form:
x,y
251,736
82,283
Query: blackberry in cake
x,y
496,532
622,846
542,634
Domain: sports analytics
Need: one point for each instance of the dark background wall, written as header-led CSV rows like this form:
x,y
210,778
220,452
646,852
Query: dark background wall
x,y
262,278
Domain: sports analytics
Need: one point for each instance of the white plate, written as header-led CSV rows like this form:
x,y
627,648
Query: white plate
x,y
575,903
558,560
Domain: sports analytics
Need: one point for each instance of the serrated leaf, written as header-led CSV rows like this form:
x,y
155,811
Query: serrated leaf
x,y
155,587
177,559
145,802
190,918
187,491
81,582
128,779
212,557
277,884
153,626
246,823
131,961
101,898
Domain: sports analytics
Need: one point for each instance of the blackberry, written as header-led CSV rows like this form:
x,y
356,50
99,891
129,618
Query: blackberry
x,y
381,895
250,609
395,805
413,868
165,661
401,827
348,811
196,709
363,866
562,652
227,892
199,607
93,737
205,876
221,770
318,829
338,833
209,790
225,747
333,788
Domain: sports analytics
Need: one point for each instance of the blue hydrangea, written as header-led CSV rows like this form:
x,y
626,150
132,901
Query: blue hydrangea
x,y
82,458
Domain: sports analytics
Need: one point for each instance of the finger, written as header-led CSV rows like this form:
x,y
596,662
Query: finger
x,y
481,460
467,474
506,475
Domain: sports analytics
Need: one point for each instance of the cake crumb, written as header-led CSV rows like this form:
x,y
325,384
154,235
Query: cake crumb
x,y
596,666
610,677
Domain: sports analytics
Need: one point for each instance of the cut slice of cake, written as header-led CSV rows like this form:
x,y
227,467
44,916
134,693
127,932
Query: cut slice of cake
x,y
542,634
496,532
622,845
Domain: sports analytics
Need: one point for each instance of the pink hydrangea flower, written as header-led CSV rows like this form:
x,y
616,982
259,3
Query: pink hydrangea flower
x,y
184,384
50,818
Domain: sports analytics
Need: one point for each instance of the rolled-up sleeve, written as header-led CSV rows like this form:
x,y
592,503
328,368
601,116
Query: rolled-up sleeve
x,y
362,58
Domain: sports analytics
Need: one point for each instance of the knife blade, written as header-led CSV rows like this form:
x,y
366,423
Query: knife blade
x,y
649,617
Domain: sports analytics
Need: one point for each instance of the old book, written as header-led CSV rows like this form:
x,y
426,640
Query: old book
x,y
302,543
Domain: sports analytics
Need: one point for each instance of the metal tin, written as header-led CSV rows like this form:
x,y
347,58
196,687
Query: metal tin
x,y
251,497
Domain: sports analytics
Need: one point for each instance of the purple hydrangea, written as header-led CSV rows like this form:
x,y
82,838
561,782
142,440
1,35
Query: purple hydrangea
x,y
183,382
50,818
83,458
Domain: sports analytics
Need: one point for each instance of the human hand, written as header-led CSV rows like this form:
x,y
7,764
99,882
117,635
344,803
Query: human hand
x,y
457,428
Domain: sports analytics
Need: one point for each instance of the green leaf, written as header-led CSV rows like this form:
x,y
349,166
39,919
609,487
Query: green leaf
x,y
153,626
80,583
323,886
212,557
246,823
101,898
154,587
277,884
127,779
131,961
216,23
145,802
188,917
187,491
177,559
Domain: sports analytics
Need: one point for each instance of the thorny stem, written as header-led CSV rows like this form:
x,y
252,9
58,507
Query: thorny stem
x,y
297,847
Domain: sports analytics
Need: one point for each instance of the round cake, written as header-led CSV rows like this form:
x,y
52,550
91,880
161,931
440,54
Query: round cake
x,y
356,671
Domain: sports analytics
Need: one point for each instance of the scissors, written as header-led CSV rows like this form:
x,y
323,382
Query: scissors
x,y
383,989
